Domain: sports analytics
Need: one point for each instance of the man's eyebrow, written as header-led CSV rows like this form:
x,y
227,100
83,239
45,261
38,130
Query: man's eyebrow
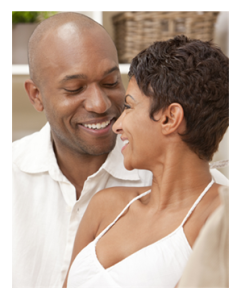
x,y
128,95
83,76
77,76
111,70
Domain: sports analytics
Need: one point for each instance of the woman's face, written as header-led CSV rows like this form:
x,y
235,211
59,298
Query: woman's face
x,y
140,134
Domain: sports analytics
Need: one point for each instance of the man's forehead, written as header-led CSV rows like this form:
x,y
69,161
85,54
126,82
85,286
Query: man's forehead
x,y
66,31
62,32
60,37
70,36
67,50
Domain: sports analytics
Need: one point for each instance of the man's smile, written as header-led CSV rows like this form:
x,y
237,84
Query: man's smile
x,y
97,125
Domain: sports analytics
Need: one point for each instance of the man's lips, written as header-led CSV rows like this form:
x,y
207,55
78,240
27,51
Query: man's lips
x,y
99,126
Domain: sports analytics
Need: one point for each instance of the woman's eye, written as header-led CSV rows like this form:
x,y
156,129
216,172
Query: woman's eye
x,y
126,106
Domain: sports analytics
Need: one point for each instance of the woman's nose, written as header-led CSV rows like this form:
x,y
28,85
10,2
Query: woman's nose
x,y
117,126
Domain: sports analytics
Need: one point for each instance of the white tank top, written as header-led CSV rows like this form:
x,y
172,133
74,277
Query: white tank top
x,y
158,265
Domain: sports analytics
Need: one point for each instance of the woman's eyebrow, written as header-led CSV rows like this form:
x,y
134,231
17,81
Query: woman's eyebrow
x,y
128,95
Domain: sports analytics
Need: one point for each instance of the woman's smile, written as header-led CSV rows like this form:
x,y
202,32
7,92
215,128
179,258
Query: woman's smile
x,y
125,142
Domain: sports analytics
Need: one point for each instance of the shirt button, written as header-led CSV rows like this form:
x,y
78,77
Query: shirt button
x,y
69,209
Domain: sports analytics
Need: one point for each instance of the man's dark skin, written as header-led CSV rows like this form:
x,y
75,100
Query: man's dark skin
x,y
76,80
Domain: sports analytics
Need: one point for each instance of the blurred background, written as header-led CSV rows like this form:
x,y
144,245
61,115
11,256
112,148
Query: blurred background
x,y
131,32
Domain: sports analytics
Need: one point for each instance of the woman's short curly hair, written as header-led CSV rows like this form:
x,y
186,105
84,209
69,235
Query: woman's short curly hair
x,y
194,74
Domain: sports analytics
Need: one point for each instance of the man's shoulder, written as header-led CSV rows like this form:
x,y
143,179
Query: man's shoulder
x,y
29,149
24,141
22,146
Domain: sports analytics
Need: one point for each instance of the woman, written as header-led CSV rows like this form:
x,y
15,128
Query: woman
x,y
176,113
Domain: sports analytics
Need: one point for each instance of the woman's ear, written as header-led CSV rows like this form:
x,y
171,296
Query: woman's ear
x,y
172,119
34,95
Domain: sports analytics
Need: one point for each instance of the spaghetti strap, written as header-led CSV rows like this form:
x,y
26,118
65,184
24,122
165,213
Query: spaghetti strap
x,y
120,214
197,201
145,193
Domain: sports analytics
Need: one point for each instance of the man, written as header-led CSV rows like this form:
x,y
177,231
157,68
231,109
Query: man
x,y
76,81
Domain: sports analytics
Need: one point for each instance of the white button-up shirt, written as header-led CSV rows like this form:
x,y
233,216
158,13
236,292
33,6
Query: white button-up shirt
x,y
46,214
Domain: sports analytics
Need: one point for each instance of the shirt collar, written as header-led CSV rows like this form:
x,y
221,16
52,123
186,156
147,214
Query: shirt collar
x,y
35,154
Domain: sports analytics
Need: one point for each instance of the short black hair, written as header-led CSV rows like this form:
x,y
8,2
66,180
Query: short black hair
x,y
194,74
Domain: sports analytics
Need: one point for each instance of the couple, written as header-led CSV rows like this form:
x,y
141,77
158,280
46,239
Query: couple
x,y
175,114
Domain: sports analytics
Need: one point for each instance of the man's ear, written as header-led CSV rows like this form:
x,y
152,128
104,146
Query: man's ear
x,y
172,119
34,95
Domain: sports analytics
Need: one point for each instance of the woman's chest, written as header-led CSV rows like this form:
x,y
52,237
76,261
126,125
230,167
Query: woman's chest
x,y
129,235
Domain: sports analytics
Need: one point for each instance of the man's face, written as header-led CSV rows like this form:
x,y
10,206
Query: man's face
x,y
82,91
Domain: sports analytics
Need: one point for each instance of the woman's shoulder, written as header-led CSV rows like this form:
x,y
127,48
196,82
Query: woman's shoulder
x,y
213,200
117,197
111,201
210,202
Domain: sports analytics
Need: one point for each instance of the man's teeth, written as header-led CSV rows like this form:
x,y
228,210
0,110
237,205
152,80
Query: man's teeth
x,y
98,125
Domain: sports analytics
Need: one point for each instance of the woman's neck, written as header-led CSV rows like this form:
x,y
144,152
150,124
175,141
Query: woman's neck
x,y
182,176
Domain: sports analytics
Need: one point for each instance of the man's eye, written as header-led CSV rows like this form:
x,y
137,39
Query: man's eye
x,y
74,91
111,84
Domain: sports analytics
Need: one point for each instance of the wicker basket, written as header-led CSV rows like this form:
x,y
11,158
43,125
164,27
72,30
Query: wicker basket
x,y
135,31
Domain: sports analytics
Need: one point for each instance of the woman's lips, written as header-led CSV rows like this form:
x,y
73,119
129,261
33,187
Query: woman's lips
x,y
125,142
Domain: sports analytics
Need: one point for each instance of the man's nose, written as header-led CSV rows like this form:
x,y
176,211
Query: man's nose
x,y
96,100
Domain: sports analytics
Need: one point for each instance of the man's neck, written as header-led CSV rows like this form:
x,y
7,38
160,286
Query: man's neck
x,y
76,167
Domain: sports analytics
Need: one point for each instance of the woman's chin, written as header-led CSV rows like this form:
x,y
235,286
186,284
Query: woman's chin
x,y
128,166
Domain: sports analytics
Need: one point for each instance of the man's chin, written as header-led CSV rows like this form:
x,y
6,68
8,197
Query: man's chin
x,y
99,150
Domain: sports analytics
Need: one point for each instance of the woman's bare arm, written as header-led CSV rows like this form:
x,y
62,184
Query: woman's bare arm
x,y
87,229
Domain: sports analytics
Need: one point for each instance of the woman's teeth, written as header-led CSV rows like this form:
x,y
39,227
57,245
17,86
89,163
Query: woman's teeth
x,y
125,142
98,125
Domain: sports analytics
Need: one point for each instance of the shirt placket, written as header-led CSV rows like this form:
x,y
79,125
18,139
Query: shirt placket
x,y
69,194
77,209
